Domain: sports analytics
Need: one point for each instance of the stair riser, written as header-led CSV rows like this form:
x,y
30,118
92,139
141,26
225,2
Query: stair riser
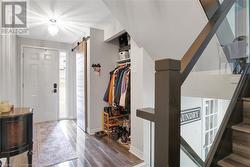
x,y
241,138
246,113
241,150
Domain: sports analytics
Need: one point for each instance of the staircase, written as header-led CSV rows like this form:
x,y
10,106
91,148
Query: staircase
x,y
230,143
240,156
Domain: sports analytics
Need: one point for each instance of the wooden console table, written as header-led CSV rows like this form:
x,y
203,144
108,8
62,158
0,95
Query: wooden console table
x,y
16,133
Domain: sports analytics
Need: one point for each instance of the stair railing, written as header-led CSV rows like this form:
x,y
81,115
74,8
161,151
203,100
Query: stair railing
x,y
238,93
170,75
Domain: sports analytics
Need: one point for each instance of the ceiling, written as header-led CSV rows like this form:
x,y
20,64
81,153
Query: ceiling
x,y
74,18
164,28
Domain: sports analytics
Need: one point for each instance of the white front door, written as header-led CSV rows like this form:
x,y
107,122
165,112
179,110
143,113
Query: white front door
x,y
40,79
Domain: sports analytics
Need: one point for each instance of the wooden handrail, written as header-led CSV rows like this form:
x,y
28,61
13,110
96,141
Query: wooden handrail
x,y
210,7
199,45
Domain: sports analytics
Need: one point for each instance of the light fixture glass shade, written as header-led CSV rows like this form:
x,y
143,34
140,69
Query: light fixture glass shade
x,y
53,29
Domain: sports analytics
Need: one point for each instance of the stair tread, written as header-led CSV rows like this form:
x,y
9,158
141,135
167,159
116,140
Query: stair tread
x,y
234,160
242,127
246,98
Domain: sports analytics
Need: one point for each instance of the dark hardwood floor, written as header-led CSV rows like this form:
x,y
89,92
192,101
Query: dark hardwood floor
x,y
92,152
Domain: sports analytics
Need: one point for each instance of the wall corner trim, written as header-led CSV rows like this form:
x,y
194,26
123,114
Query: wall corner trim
x,y
93,131
137,152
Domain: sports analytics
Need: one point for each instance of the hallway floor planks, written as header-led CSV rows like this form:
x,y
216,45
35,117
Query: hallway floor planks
x,y
92,152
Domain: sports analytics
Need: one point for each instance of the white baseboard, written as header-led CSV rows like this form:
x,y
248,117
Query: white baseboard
x,y
62,119
43,121
142,165
136,152
93,131
54,120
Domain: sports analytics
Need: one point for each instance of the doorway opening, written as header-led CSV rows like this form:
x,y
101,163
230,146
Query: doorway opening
x,y
62,85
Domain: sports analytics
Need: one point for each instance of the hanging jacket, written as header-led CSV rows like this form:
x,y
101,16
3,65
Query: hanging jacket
x,y
111,89
124,88
128,95
118,86
106,95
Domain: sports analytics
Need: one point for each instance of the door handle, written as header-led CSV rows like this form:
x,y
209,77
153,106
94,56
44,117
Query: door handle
x,y
55,85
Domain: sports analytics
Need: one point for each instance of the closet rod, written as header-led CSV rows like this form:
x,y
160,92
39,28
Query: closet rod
x,y
78,43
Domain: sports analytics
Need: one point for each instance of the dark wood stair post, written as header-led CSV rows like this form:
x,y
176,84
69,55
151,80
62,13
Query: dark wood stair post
x,y
167,113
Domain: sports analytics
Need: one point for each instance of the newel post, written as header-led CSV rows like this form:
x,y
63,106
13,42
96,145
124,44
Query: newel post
x,y
167,113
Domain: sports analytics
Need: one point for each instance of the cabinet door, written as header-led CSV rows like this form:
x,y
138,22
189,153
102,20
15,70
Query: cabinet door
x,y
14,134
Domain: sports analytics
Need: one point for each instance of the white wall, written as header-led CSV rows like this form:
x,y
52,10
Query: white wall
x,y
136,99
71,68
192,132
142,95
148,80
222,108
210,84
186,161
148,101
106,54
8,69
112,28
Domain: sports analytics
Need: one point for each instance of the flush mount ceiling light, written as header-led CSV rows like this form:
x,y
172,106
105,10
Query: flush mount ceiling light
x,y
52,20
53,27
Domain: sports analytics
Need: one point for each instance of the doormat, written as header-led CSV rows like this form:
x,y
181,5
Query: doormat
x,y
51,146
